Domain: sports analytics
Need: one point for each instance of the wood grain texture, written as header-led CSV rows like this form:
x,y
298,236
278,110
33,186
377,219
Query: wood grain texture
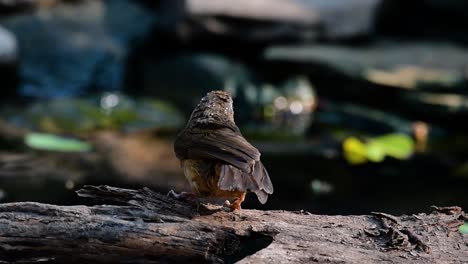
x,y
146,227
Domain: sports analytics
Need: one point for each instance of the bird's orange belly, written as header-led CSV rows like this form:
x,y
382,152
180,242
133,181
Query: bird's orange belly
x,y
203,177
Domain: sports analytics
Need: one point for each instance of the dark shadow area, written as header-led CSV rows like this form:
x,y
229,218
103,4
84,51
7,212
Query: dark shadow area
x,y
249,245
95,92
423,19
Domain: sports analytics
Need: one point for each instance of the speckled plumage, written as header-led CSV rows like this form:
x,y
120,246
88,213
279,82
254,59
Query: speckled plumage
x,y
217,160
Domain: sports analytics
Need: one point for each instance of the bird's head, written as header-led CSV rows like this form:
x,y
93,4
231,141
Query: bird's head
x,y
215,108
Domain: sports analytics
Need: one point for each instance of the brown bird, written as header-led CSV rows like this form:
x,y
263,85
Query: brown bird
x,y
217,160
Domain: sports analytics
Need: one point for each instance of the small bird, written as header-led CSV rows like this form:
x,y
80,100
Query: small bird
x,y
217,160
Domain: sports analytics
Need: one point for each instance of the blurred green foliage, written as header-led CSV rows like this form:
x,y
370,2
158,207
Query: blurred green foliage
x,y
464,228
398,146
82,115
51,142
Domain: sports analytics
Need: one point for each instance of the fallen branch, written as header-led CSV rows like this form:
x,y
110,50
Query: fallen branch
x,y
144,226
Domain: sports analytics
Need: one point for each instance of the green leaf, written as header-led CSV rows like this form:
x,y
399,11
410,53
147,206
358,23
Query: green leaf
x,y
354,151
464,228
375,152
399,146
51,142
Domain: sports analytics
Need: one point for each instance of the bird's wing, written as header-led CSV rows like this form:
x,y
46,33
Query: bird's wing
x,y
222,144
242,170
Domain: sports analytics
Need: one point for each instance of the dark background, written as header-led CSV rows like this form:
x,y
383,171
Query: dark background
x,y
356,106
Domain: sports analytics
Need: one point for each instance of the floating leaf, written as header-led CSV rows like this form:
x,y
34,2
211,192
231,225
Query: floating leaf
x,y
398,146
55,143
375,151
464,228
354,151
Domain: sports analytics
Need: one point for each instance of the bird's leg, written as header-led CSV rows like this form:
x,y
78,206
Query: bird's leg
x,y
236,205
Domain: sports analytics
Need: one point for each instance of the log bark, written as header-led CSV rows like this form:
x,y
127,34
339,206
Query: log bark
x,y
141,226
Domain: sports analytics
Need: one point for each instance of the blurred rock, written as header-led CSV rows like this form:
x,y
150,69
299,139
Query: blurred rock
x,y
406,65
265,21
72,49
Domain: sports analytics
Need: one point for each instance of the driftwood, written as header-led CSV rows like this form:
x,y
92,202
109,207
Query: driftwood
x,y
146,227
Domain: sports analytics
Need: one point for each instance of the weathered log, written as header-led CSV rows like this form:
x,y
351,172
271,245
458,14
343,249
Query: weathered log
x,y
146,227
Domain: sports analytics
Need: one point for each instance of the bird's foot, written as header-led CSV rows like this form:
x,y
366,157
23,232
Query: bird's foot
x,y
232,206
227,204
